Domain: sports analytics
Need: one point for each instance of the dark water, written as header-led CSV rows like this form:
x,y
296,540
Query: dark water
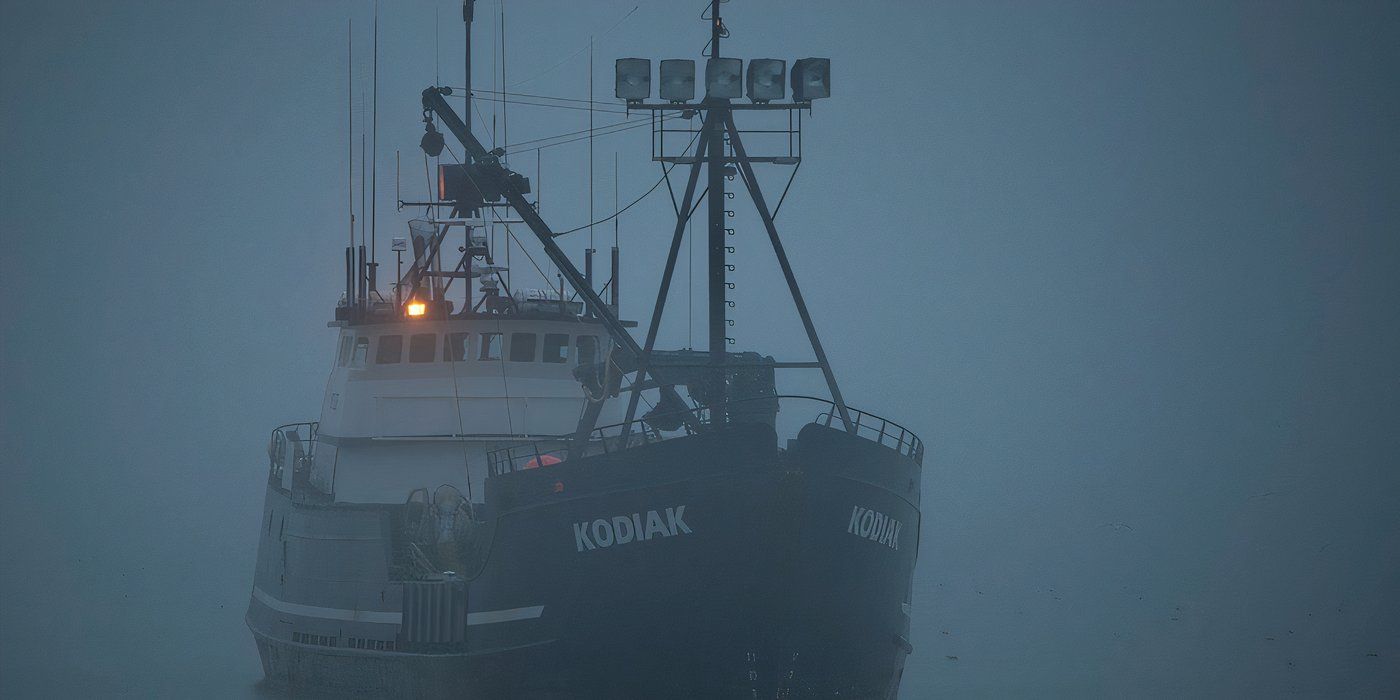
x,y
1129,269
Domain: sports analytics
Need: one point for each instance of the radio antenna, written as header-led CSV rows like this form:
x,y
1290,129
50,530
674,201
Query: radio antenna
x,y
588,254
505,125
374,157
468,11
616,255
350,121
363,191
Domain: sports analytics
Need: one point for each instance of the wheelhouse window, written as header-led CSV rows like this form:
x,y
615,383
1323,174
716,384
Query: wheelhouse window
x,y
587,349
389,351
347,344
522,347
361,353
422,347
556,347
490,346
454,347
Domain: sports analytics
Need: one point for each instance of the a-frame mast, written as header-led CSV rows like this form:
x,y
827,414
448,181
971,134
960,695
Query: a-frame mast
x,y
710,150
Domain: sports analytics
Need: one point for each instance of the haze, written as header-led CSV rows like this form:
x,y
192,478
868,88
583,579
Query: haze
x,y
1130,269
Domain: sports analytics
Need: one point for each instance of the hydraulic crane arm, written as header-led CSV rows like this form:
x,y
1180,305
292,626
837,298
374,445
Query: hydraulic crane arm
x,y
489,165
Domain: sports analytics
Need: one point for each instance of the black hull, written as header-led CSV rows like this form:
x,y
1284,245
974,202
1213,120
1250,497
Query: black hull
x,y
772,574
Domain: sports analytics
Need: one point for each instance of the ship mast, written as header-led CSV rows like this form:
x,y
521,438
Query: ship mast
x,y
717,114
718,129
810,79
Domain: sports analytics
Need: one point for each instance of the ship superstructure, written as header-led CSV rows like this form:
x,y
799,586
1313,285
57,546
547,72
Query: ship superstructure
x,y
490,506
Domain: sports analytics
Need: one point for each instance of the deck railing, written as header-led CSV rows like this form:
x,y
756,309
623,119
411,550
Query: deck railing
x,y
526,456
291,446
610,438
902,441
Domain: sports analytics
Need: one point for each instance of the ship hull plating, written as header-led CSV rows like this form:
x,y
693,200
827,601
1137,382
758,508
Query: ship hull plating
x,y
713,565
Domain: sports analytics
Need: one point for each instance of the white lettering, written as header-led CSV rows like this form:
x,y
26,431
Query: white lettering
x,y
602,527
655,526
625,529
622,526
581,537
675,516
875,526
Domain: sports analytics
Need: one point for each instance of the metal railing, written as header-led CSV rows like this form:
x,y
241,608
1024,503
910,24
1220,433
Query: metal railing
x,y
903,442
291,445
867,425
526,456
610,438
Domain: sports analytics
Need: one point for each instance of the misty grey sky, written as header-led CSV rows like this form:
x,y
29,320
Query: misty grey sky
x,y
1130,269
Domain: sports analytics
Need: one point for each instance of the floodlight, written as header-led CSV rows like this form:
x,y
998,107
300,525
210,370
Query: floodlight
x,y
633,79
765,79
723,77
432,142
678,80
811,78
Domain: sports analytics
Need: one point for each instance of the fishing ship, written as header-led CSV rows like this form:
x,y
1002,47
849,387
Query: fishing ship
x,y
506,495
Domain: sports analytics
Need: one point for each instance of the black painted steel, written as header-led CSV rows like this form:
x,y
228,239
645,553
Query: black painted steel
x,y
758,572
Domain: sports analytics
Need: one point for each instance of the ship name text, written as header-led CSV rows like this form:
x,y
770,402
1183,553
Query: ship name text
x,y
622,529
875,526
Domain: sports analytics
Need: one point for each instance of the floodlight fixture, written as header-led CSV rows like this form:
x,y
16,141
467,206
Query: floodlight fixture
x,y
765,79
678,80
633,79
432,142
811,79
723,78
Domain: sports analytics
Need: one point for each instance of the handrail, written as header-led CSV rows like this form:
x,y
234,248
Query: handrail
x,y
277,446
504,459
880,430
904,441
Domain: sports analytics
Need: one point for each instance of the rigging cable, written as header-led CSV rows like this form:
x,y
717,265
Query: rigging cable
x,y
581,49
493,96
665,171
534,96
605,130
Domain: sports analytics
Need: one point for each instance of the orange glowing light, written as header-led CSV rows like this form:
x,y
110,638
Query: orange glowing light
x,y
416,308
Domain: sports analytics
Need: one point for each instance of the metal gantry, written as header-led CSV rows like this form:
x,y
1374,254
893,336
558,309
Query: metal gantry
x,y
709,152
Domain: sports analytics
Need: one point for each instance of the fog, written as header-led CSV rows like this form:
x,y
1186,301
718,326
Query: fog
x,y
1129,269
